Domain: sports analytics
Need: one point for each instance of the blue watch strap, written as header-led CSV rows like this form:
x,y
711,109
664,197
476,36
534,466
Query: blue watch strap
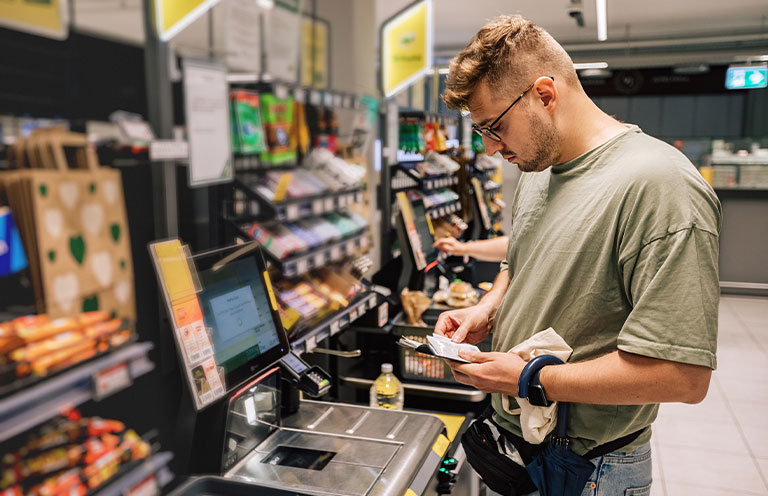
x,y
531,368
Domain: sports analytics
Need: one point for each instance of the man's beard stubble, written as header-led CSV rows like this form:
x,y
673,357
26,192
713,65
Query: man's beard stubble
x,y
547,150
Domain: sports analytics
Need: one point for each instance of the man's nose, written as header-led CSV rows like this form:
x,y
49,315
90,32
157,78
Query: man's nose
x,y
492,146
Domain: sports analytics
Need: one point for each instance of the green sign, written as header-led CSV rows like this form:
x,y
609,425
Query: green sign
x,y
746,77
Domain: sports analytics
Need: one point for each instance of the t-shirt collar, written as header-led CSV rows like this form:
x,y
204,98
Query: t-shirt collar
x,y
587,156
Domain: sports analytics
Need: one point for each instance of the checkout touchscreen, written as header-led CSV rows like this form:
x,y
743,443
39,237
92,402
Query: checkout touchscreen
x,y
247,333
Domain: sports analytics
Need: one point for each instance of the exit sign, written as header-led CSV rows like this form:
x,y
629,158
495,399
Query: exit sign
x,y
746,77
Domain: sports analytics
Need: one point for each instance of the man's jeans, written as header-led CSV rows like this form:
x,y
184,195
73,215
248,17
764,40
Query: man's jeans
x,y
617,474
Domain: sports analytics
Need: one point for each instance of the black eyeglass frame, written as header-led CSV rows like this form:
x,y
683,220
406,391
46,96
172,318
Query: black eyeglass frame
x,y
488,131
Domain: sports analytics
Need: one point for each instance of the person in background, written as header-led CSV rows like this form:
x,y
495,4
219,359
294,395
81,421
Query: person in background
x,y
613,244
487,250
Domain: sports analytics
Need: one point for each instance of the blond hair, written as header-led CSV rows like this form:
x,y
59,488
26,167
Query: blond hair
x,y
509,53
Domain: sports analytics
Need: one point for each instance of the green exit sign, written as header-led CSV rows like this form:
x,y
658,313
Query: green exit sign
x,y
745,77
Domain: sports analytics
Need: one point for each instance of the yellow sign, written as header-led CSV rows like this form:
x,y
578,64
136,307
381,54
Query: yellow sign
x,y
314,53
171,16
406,41
173,268
42,17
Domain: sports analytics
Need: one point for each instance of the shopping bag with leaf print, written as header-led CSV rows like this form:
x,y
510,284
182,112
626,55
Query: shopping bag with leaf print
x,y
75,232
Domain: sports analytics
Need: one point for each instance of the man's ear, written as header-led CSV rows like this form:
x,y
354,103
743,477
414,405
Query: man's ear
x,y
546,91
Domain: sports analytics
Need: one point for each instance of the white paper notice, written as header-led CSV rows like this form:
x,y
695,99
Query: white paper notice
x,y
242,37
283,43
206,105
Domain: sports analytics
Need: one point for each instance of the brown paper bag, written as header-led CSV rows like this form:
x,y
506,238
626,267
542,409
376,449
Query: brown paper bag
x,y
74,228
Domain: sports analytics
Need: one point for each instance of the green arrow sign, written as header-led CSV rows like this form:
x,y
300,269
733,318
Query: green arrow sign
x,y
746,77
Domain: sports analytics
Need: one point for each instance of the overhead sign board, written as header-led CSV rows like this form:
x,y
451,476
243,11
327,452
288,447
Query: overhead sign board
x,y
171,16
746,77
406,47
42,17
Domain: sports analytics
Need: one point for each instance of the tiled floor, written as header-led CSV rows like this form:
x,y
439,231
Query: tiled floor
x,y
720,446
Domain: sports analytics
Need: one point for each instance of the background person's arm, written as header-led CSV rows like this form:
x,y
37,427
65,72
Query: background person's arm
x,y
488,250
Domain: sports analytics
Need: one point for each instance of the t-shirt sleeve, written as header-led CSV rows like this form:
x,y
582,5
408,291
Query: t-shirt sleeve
x,y
672,283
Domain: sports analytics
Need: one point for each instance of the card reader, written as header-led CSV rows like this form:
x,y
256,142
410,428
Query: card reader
x,y
313,380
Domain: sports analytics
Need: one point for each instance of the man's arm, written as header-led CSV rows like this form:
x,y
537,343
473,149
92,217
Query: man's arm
x,y
619,378
622,378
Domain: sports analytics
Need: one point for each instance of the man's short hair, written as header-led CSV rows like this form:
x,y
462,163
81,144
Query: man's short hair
x,y
509,53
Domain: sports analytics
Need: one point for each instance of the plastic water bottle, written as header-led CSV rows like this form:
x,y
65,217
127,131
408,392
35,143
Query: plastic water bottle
x,y
387,392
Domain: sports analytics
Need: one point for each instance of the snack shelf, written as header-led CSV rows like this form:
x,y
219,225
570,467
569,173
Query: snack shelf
x,y
299,208
337,322
302,94
129,483
444,209
428,183
105,375
302,263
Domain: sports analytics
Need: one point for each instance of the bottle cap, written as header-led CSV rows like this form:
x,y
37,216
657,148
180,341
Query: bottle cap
x,y
386,368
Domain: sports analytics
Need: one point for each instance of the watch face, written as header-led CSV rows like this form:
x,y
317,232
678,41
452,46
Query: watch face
x,y
536,395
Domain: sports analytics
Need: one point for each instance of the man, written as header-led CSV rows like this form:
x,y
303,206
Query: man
x,y
613,243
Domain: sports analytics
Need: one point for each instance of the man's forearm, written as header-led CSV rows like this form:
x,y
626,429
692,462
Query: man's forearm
x,y
621,378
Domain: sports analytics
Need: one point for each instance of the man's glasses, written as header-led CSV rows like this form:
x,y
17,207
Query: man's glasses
x,y
488,130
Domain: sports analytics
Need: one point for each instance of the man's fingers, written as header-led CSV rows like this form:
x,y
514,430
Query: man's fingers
x,y
460,334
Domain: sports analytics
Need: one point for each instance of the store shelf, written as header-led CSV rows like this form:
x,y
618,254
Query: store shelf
x,y
299,208
156,465
444,209
337,322
428,183
302,94
43,401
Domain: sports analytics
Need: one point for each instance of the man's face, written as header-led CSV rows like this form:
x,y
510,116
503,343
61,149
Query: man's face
x,y
528,140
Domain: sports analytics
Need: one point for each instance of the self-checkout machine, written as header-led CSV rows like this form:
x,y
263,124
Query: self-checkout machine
x,y
247,425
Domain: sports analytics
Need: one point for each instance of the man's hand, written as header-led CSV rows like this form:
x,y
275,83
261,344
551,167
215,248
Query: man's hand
x,y
466,325
490,372
450,246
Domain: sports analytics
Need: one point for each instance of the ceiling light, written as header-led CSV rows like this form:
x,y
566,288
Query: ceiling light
x,y
595,73
691,69
602,20
590,65
443,70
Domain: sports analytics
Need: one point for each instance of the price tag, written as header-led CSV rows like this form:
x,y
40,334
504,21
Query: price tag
x,y
429,184
372,302
169,150
302,265
317,206
335,252
329,205
353,314
289,269
364,242
147,487
337,100
319,259
350,246
328,99
292,211
383,314
359,197
442,211
342,201
350,199
335,327
111,380
281,91
299,95
311,343
315,97
347,103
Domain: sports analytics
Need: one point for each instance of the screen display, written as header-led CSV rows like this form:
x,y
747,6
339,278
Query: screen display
x,y
427,240
290,456
295,363
236,306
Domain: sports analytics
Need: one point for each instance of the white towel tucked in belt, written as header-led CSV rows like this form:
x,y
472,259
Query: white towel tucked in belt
x,y
538,421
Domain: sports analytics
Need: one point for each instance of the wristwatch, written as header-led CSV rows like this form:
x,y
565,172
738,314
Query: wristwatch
x,y
536,394
529,386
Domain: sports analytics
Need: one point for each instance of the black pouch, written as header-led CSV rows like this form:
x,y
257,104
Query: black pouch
x,y
498,472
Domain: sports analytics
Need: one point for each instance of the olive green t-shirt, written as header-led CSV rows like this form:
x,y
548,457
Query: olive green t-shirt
x,y
616,249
